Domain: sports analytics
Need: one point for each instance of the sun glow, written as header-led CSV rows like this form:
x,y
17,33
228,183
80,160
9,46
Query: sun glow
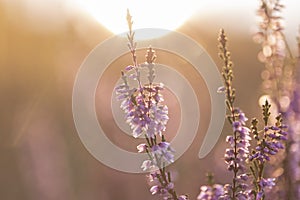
x,y
166,14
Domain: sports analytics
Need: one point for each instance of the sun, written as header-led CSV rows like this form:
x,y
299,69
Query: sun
x,y
166,14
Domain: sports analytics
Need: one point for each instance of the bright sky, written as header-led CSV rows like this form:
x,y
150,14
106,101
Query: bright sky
x,y
167,14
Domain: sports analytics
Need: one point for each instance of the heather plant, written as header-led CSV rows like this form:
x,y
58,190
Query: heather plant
x,y
245,162
211,190
237,153
147,116
281,85
269,141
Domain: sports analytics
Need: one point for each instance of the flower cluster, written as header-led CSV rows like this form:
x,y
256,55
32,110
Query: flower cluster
x,y
240,141
147,116
159,155
163,185
244,165
268,143
237,154
271,141
143,108
211,191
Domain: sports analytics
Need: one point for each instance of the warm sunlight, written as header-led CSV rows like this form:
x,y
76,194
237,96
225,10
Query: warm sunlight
x,y
167,14
90,114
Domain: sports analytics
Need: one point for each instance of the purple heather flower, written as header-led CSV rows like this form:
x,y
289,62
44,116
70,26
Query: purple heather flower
x,y
213,192
241,196
158,189
153,176
270,145
159,115
141,147
242,117
242,143
144,115
182,197
170,186
137,131
227,189
164,152
221,89
205,193
264,184
230,140
154,189
164,145
129,67
259,195
267,183
236,156
160,186
243,177
147,164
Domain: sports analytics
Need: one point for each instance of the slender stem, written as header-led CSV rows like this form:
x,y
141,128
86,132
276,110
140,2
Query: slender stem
x,y
228,76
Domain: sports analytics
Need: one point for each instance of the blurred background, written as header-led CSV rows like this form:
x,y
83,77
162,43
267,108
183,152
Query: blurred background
x,y
43,44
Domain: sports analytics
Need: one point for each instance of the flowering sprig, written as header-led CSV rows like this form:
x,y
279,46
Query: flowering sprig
x,y
147,115
276,55
270,34
211,191
245,166
268,143
280,83
273,52
237,153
